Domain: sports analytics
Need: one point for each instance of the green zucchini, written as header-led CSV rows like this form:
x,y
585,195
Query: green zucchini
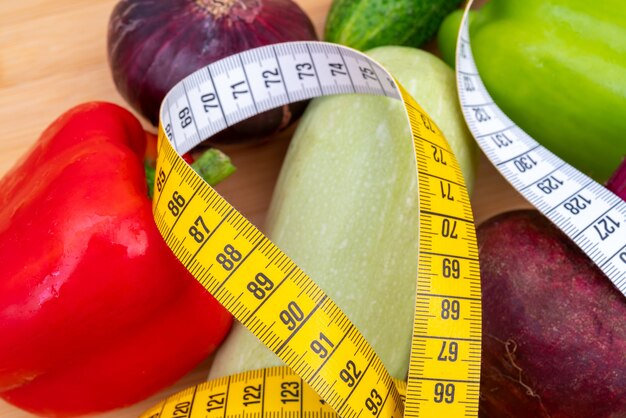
x,y
358,23
345,207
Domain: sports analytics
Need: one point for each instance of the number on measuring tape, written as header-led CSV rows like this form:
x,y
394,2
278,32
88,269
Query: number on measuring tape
x,y
449,351
276,300
444,392
589,214
199,231
322,345
258,393
176,203
260,286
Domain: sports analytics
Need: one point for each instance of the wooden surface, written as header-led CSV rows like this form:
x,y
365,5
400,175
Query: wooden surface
x,y
53,56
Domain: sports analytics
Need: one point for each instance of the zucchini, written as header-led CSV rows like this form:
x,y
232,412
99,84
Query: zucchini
x,y
345,206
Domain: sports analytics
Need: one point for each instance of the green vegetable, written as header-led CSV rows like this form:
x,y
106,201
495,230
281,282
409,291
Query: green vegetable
x,y
558,69
359,23
448,34
212,165
346,209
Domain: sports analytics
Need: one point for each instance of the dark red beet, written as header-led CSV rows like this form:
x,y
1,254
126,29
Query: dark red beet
x,y
617,182
153,44
554,330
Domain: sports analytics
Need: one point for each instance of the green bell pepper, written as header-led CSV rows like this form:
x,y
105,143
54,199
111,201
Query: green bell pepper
x,y
558,69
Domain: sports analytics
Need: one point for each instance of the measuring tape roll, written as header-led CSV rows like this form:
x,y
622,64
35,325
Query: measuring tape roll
x,y
589,214
276,300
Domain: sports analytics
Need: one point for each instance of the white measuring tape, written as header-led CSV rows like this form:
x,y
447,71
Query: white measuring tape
x,y
592,216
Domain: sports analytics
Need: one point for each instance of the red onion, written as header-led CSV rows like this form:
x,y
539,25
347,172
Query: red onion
x,y
153,44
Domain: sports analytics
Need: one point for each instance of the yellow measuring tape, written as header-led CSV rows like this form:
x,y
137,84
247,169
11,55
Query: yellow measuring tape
x,y
275,299
271,392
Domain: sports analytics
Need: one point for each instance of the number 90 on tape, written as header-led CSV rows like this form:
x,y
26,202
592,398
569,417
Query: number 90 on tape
x,y
274,298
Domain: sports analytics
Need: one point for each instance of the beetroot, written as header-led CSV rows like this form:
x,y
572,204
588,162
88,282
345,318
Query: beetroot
x,y
617,182
554,330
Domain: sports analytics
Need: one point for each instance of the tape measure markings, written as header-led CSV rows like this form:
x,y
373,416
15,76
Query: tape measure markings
x,y
276,391
221,70
420,330
557,189
312,335
430,374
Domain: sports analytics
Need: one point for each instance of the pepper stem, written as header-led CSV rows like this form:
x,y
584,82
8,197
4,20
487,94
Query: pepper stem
x,y
213,166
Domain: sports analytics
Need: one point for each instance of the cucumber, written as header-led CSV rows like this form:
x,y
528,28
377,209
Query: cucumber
x,y
358,23
345,207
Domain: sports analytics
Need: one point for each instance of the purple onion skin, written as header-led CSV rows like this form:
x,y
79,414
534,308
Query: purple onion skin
x,y
554,339
153,44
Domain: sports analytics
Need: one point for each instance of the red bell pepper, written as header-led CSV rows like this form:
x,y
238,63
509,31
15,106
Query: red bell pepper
x,y
95,310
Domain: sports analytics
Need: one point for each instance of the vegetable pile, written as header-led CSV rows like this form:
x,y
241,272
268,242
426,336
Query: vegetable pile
x,y
87,284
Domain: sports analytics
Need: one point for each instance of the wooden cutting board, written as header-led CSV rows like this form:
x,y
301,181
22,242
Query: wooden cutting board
x,y
53,56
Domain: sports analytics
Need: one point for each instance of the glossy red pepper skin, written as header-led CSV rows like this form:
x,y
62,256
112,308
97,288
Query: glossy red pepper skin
x,y
95,310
